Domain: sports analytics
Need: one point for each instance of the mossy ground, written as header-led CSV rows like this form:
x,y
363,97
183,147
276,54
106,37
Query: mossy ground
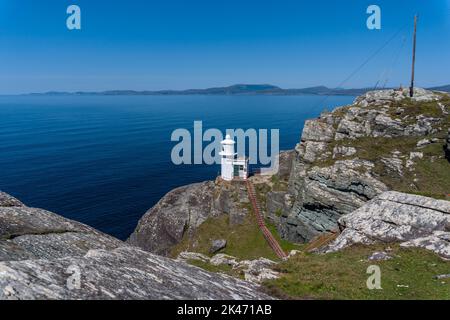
x,y
343,275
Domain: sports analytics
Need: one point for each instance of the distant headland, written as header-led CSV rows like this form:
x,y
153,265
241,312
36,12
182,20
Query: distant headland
x,y
237,89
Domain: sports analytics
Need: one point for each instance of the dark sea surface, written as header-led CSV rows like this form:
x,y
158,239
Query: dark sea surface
x,y
105,160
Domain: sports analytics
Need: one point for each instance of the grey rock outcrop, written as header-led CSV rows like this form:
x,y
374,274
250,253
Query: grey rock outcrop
x,y
41,252
324,194
30,233
379,256
180,212
285,163
217,245
329,180
123,273
8,201
447,146
398,217
256,271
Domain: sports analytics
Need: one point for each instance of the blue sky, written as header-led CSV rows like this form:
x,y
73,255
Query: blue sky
x,y
195,44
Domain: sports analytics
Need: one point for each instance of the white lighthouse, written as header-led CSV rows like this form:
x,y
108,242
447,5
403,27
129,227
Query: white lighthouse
x,y
230,166
228,155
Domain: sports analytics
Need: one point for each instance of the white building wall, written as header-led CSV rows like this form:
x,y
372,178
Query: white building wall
x,y
227,168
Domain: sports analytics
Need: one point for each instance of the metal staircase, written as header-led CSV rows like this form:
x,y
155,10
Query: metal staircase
x,y
273,243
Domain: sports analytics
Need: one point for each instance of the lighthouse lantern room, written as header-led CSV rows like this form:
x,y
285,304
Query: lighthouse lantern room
x,y
231,167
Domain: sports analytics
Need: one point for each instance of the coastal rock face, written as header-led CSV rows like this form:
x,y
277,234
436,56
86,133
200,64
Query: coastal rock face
x,y
8,201
398,217
332,174
45,256
447,146
285,163
326,194
182,210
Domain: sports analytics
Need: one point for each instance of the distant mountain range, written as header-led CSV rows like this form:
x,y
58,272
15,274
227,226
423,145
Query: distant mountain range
x,y
237,89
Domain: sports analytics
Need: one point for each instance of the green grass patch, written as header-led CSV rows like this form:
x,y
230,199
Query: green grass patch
x,y
342,275
431,175
412,109
244,241
278,184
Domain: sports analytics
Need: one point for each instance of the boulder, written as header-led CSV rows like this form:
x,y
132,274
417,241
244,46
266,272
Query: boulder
x,y
258,270
398,217
223,259
217,245
379,256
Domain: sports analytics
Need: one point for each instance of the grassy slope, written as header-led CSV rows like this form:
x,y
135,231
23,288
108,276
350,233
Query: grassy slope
x,y
244,241
342,275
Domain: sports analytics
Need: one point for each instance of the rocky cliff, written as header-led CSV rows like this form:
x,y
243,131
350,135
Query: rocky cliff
x,y
383,141
42,254
447,146
180,212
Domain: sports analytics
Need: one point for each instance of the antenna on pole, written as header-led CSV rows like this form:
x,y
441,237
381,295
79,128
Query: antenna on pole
x,y
411,88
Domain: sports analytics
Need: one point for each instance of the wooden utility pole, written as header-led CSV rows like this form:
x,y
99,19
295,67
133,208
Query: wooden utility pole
x,y
411,88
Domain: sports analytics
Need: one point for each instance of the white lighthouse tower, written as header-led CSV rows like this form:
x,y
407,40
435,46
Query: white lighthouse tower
x,y
228,154
232,167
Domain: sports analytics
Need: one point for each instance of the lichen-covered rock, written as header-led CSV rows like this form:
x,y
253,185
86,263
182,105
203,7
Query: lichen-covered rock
x,y
30,233
217,245
379,256
223,259
188,255
122,273
397,217
8,201
257,270
438,241
45,256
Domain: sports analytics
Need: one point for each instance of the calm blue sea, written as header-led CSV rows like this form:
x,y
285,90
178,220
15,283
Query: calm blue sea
x,y
105,160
